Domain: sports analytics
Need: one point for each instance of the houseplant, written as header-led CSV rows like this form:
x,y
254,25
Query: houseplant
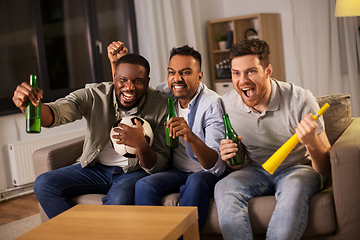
x,y
221,38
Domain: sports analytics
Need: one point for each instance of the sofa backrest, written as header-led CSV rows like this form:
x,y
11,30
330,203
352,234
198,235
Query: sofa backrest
x,y
338,117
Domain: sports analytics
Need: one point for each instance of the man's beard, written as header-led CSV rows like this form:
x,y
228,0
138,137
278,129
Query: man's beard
x,y
123,108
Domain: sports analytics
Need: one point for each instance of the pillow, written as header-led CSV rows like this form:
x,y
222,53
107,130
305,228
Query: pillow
x,y
338,116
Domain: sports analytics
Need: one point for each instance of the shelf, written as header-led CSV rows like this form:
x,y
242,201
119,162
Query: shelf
x,y
223,80
268,27
221,51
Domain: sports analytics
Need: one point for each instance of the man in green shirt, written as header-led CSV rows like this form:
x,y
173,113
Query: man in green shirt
x,y
101,169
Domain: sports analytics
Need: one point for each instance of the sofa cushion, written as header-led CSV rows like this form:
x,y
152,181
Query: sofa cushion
x,y
338,117
91,199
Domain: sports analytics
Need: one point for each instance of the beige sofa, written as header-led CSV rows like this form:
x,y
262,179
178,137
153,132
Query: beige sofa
x,y
333,214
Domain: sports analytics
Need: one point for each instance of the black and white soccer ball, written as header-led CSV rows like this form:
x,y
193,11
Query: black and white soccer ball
x,y
127,151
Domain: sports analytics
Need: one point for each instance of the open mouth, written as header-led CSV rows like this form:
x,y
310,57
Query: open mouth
x,y
178,87
248,92
128,96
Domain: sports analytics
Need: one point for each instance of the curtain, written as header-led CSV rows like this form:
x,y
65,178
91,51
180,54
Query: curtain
x,y
327,50
164,24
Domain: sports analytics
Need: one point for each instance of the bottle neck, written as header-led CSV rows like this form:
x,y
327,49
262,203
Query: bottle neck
x,y
229,132
33,82
170,107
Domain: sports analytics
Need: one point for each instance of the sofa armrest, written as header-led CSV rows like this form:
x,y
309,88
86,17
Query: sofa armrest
x,y
345,168
57,155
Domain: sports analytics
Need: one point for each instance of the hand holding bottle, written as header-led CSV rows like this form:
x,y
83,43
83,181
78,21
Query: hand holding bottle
x,y
228,151
171,141
24,93
231,149
178,127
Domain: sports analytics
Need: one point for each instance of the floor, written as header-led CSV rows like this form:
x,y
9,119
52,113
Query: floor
x,y
18,208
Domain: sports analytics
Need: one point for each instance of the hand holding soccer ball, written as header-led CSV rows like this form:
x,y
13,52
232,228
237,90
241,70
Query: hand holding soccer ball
x,y
124,137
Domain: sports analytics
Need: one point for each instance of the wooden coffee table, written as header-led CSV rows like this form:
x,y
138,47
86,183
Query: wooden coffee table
x,y
119,222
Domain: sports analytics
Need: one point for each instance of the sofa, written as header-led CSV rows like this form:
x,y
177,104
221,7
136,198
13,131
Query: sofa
x,y
334,213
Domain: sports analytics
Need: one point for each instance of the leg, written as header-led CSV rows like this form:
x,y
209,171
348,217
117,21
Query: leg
x,y
197,191
231,196
294,188
55,189
150,190
122,191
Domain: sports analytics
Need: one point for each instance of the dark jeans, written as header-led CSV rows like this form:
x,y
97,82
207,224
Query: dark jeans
x,y
195,189
54,189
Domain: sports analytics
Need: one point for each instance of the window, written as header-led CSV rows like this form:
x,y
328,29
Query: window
x,y
63,42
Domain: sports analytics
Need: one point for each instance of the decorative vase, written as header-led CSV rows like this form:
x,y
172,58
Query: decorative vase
x,y
222,45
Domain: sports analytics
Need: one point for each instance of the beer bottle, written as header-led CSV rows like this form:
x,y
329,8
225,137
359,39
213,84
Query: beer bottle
x,y
230,134
33,113
170,142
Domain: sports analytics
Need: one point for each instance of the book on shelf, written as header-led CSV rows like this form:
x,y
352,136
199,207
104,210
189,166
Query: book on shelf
x,y
229,40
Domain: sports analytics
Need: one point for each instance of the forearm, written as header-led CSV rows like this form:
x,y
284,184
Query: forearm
x,y
207,157
113,68
47,117
320,156
147,156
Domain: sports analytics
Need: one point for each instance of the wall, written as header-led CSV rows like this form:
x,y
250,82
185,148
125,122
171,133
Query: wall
x,y
209,9
12,130
283,7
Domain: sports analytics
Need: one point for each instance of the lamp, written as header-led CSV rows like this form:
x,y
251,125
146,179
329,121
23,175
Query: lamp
x,y
347,8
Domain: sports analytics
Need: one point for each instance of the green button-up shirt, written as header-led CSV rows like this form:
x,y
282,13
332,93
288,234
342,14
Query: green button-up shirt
x,y
98,105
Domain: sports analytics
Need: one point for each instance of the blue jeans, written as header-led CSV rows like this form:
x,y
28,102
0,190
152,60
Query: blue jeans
x,y
54,189
195,189
293,187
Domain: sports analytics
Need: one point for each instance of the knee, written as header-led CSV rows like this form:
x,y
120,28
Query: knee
x,y
220,189
143,185
224,185
41,181
201,180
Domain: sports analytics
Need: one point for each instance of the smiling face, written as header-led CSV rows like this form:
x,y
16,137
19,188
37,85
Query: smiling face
x,y
251,81
131,82
184,77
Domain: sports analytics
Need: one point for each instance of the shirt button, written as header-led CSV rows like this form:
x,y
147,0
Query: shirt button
x,y
98,150
116,114
86,162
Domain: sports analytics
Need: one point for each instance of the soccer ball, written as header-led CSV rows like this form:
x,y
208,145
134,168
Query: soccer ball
x,y
126,151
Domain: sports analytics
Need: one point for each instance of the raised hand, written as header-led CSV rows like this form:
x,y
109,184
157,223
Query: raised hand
x,y
116,50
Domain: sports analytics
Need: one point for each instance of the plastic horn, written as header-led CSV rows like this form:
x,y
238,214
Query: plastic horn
x,y
279,156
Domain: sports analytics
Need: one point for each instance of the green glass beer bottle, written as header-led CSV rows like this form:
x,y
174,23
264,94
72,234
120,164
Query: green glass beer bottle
x,y
170,142
33,113
230,134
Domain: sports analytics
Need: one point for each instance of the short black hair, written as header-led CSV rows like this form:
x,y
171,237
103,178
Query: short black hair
x,y
186,51
251,47
135,59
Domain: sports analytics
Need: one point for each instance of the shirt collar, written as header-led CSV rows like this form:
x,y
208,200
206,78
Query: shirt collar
x,y
274,102
194,99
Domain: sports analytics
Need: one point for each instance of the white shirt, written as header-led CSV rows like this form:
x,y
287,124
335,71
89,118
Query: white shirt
x,y
181,159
